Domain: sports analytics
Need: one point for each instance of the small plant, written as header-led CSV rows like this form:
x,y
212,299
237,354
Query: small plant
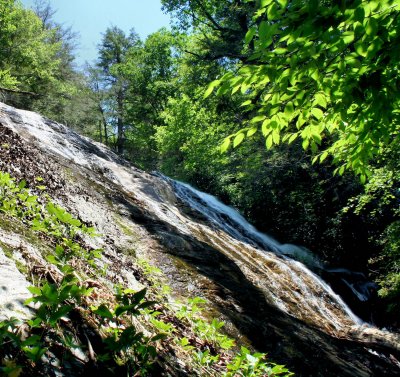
x,y
124,344
210,332
245,364
17,201
185,344
56,300
165,328
204,358
15,343
194,306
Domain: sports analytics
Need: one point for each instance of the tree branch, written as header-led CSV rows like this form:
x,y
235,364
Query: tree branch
x,y
17,91
208,16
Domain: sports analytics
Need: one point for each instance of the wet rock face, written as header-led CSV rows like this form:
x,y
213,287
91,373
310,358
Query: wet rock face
x,y
273,302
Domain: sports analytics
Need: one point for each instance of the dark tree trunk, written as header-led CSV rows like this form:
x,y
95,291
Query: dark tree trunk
x,y
100,132
104,124
120,123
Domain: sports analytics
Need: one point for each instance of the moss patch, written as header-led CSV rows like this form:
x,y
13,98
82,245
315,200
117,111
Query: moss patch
x,y
14,226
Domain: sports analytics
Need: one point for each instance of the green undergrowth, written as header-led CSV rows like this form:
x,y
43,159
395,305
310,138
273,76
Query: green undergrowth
x,y
80,324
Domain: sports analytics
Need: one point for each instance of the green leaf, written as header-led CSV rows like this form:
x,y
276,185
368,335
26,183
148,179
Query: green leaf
x,y
61,312
279,369
359,14
320,100
353,62
265,128
35,322
31,199
358,29
280,51
269,142
225,144
250,34
263,30
158,337
121,309
314,74
251,131
323,156
211,87
272,12
236,88
371,27
361,49
35,290
246,103
258,118
374,47
264,3
305,144
317,137
238,139
139,296
276,137
283,3
292,138
348,36
103,311
52,259
289,109
318,113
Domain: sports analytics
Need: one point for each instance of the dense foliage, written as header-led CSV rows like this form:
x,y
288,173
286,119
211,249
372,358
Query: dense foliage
x,y
323,75
28,60
37,69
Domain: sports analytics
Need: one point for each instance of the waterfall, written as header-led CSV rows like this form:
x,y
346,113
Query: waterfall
x,y
232,222
286,279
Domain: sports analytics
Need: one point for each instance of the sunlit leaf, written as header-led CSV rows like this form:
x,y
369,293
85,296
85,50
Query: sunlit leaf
x,y
318,113
252,131
269,141
238,139
225,144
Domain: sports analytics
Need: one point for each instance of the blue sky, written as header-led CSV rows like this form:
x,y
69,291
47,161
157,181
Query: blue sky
x,y
92,17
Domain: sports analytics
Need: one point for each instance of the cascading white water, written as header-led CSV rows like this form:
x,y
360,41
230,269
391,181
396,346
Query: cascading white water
x,y
232,222
286,258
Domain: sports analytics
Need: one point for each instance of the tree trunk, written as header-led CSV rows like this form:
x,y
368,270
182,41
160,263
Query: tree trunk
x,y
104,124
100,132
120,123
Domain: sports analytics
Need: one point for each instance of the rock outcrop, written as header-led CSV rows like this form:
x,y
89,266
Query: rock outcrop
x,y
271,302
